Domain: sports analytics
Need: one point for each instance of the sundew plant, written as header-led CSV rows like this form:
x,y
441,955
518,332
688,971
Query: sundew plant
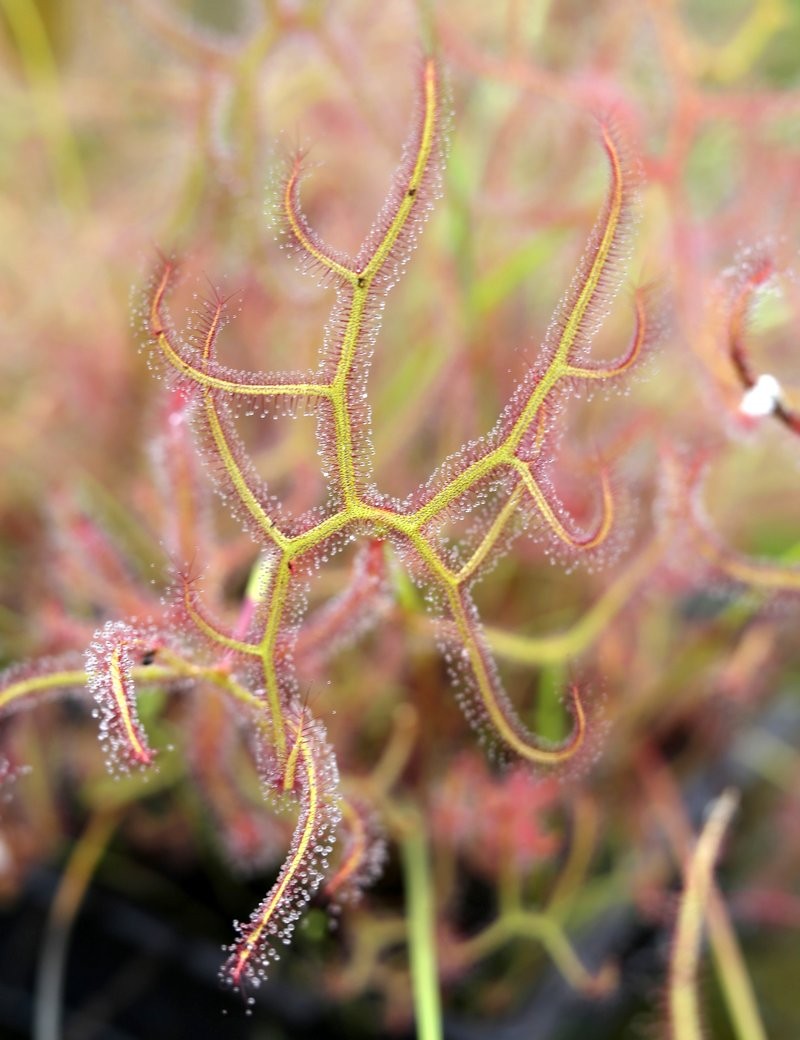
x,y
578,529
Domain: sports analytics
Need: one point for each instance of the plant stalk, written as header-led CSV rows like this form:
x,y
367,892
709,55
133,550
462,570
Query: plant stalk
x,y
421,932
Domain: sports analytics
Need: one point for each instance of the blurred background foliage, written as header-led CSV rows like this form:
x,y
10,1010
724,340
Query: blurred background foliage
x,y
139,125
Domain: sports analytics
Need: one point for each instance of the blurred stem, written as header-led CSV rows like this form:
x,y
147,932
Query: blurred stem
x,y
509,885
527,924
427,26
421,933
49,989
734,980
733,59
396,752
684,1004
369,939
554,649
33,46
772,758
585,826
551,717
732,973
537,17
